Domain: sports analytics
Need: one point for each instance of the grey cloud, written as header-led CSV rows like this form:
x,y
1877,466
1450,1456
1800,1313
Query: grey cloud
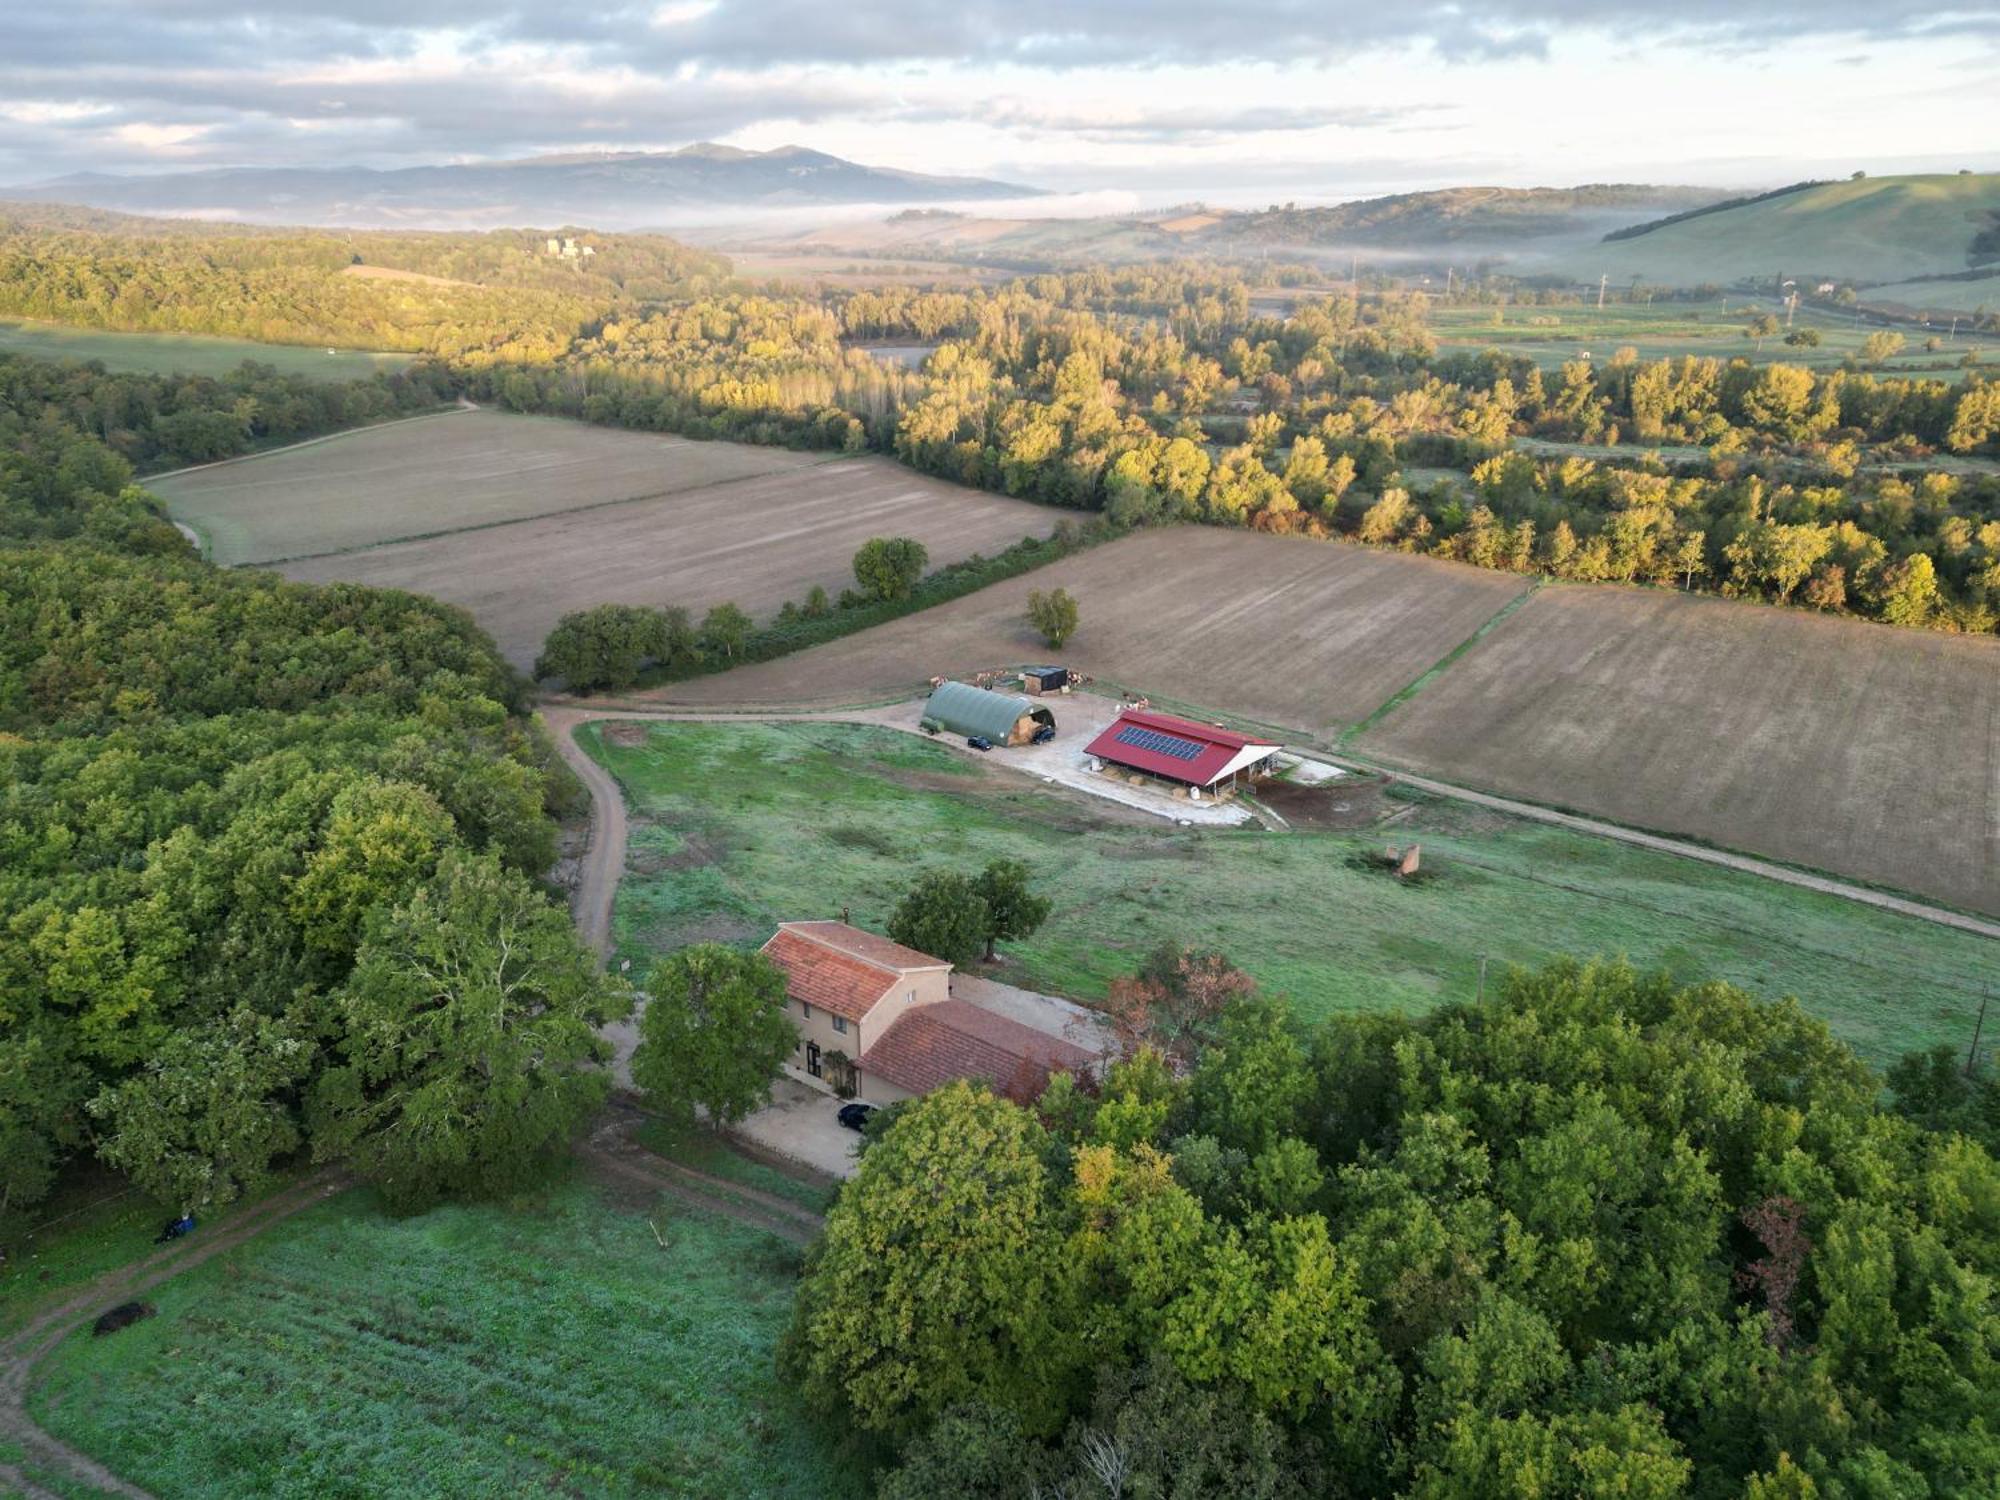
x,y
229,65
1189,123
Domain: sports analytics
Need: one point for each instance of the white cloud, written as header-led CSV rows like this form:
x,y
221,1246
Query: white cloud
x,y
162,138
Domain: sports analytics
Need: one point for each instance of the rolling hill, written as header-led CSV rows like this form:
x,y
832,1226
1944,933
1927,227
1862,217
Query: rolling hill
x,y
1449,226
612,190
1867,231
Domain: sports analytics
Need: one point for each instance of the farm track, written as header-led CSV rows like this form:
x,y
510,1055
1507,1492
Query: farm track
x,y
21,1351
612,1149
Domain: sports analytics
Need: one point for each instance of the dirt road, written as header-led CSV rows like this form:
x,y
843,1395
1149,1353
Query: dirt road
x,y
27,1347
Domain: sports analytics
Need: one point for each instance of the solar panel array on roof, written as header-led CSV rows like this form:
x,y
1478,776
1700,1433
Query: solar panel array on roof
x,y
1159,744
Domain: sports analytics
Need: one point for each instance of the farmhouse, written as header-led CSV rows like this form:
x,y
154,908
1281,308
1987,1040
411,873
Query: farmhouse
x,y
878,1020
1003,718
1201,758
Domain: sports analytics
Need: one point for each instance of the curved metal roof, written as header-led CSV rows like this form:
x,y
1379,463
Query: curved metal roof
x,y
964,709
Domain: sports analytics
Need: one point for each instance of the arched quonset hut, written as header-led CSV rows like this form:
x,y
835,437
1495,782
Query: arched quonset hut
x,y
1004,718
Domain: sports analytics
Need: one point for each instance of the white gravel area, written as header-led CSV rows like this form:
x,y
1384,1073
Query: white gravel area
x,y
1080,718
1307,772
1049,1014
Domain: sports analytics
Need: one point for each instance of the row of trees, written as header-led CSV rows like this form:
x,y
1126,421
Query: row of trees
x,y
1601,1233
610,645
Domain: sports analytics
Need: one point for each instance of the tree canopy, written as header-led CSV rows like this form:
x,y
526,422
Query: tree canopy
x,y
713,1033
1602,1233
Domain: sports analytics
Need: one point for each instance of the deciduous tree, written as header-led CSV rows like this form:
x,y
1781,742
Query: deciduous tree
x,y
1013,910
468,1048
889,567
943,915
712,1033
1053,614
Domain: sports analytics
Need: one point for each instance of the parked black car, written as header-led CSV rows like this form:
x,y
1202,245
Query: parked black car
x,y
855,1115
979,742
1044,734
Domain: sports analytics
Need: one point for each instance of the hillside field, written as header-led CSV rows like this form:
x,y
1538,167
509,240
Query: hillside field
x,y
1553,336
758,541
1839,744
545,1345
186,353
1873,229
1855,748
1273,629
436,474
738,826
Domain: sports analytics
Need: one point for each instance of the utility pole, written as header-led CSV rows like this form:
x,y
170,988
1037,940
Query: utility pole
x,y
1354,277
1972,1052
1447,282
1481,998
1602,282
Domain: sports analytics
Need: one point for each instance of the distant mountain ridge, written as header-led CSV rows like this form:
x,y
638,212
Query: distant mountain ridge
x,y
613,189
1439,227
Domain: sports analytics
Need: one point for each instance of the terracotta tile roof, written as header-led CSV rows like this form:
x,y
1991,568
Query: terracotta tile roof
x,y
826,977
867,946
931,1045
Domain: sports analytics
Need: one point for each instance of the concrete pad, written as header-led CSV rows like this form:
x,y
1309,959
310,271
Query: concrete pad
x,y
799,1123
1080,718
1051,1015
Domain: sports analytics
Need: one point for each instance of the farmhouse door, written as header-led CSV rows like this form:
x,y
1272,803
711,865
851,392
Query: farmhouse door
x,y
812,1060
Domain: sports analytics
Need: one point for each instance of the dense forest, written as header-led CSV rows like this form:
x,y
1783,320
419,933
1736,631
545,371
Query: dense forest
x,y
1153,394
270,854
469,297
1598,1235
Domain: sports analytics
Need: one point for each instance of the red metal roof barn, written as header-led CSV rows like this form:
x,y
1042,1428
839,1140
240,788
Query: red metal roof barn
x,y
1180,750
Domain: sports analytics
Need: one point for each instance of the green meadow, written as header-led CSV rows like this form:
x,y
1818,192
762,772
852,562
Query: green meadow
x,y
739,826
547,1345
186,353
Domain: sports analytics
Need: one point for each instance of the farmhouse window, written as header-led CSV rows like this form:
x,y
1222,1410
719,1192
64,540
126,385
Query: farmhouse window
x,y
805,1010
840,1024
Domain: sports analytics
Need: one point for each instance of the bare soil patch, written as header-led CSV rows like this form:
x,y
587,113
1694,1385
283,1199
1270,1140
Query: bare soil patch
x,y
1860,749
438,474
1346,803
757,540
1307,635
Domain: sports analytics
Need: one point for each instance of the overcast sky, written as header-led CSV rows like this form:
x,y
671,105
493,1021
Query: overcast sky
x,y
1237,100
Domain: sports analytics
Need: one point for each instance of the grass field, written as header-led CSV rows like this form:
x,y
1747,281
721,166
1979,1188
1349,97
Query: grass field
x,y
1852,747
759,540
739,826
1287,632
544,1346
1552,336
186,353
439,474
1876,229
